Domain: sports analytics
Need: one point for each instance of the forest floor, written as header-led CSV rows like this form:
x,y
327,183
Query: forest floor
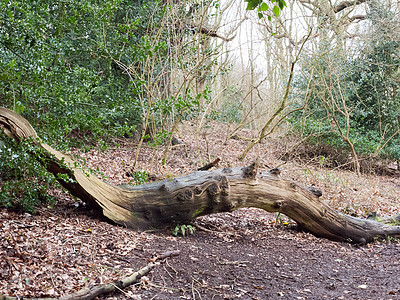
x,y
246,254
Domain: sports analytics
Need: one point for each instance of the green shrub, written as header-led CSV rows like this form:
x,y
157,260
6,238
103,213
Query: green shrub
x,y
23,180
140,176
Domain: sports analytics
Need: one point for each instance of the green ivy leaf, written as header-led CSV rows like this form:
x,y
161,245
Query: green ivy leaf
x,y
11,64
275,10
260,15
264,7
252,4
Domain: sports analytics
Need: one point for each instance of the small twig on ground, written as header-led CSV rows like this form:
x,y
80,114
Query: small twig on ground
x,y
165,255
169,274
205,229
194,296
210,165
239,262
176,272
194,289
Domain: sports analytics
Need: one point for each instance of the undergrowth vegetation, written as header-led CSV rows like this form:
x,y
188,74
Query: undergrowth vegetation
x,y
352,107
23,180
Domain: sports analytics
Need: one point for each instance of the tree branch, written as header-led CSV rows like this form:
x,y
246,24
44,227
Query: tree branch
x,y
345,4
209,32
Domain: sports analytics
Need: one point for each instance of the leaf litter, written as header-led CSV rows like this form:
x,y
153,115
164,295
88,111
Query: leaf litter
x,y
246,254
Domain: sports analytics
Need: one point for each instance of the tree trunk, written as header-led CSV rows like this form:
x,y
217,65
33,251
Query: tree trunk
x,y
180,200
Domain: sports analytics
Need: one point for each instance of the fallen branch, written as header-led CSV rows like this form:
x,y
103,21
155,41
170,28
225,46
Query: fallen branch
x,y
93,291
210,165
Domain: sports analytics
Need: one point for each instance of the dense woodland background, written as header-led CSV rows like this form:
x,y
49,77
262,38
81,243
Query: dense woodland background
x,y
140,91
324,76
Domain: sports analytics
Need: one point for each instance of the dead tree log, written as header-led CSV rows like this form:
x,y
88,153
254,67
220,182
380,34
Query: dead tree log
x,y
182,199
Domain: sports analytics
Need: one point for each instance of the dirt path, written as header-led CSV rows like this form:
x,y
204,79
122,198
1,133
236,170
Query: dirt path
x,y
267,263
59,251
248,254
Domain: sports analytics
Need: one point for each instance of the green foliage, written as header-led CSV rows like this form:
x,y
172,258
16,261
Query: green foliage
x,y
366,85
365,143
59,67
185,103
84,71
23,180
183,230
231,109
140,176
160,138
277,6
377,97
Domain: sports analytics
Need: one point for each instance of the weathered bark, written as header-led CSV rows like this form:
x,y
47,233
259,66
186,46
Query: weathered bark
x,y
182,199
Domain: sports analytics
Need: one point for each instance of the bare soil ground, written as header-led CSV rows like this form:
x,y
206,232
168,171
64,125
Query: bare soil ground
x,y
247,254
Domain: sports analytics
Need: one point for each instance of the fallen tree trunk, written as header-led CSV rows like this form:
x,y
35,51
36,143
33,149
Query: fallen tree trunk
x,y
182,199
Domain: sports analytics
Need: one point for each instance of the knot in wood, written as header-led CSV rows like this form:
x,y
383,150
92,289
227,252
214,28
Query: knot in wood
x,y
227,170
250,171
278,204
186,195
212,189
275,171
164,188
224,186
217,177
229,206
315,191
197,190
